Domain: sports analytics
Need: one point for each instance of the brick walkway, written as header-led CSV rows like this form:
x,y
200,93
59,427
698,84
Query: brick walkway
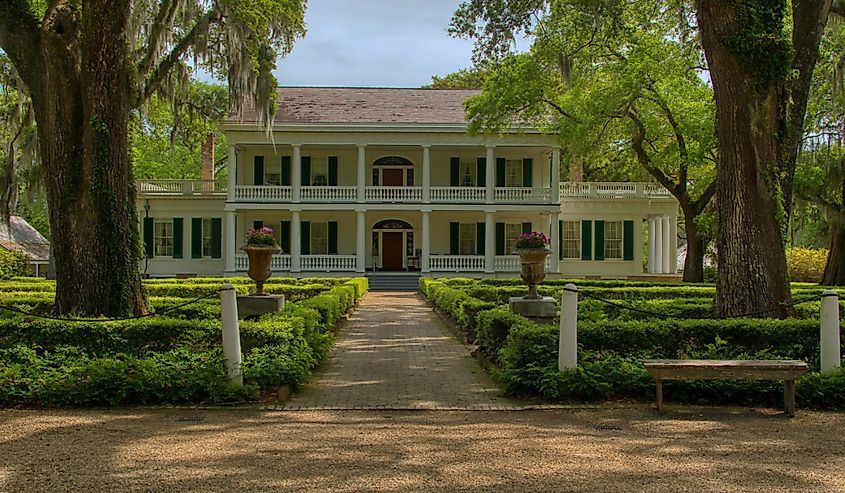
x,y
395,353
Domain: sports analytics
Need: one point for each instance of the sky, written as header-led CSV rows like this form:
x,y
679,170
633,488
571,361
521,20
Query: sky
x,y
383,43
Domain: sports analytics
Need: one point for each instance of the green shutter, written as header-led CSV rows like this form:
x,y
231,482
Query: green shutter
x,y
257,224
149,245
527,170
454,172
480,237
375,177
216,237
500,172
409,177
500,238
305,238
628,240
332,171
306,170
454,239
481,172
560,240
526,228
332,237
285,171
599,240
178,237
258,170
196,237
586,240
284,237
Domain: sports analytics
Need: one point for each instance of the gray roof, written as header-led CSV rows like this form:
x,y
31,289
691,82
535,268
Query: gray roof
x,y
368,105
22,237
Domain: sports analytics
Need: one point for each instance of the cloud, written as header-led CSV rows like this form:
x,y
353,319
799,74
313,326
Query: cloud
x,y
399,43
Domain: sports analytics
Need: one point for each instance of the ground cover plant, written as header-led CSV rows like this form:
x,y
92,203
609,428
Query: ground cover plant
x,y
670,321
172,358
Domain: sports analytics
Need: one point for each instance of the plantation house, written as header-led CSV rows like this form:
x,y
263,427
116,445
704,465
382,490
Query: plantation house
x,y
373,179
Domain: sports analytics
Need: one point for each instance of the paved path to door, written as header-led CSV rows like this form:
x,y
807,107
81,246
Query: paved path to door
x,y
396,353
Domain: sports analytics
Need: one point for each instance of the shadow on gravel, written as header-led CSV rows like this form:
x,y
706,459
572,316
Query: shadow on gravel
x,y
633,449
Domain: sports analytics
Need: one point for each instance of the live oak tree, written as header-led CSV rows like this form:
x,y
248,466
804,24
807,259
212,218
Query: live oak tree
x,y
760,55
600,76
87,65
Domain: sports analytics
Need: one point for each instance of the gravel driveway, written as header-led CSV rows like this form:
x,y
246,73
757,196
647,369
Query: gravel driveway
x,y
605,449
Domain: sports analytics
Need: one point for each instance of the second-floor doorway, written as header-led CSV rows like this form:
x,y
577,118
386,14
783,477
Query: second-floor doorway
x,y
392,177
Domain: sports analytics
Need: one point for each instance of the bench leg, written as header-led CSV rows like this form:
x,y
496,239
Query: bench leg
x,y
659,395
789,397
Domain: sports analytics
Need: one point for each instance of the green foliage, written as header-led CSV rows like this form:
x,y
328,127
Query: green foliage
x,y
472,78
13,264
760,39
173,359
805,264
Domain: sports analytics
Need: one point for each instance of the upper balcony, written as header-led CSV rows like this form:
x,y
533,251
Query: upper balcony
x,y
403,194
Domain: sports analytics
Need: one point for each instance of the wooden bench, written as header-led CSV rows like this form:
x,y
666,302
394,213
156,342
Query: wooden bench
x,y
699,369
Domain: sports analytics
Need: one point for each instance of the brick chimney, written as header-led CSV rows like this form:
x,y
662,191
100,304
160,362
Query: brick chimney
x,y
207,166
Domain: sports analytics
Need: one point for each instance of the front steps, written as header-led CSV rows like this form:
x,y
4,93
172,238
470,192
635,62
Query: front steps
x,y
394,281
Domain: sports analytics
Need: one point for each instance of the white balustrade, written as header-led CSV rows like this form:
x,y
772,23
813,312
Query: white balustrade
x,y
263,193
458,194
457,263
610,190
511,263
522,194
180,187
328,263
393,194
329,194
277,262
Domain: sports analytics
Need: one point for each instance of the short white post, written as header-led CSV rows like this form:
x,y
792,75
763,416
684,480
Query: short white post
x,y
231,333
830,342
568,345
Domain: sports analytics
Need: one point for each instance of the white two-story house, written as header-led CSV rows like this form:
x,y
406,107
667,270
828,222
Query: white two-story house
x,y
356,180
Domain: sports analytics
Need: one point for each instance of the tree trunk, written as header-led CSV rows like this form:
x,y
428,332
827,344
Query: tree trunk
x,y
754,110
81,101
694,262
834,270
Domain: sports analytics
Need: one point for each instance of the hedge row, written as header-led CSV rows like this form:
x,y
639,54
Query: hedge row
x,y
164,360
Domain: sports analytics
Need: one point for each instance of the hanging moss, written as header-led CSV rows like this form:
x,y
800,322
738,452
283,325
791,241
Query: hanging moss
x,y
761,42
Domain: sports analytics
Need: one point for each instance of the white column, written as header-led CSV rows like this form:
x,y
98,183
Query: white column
x,y
637,268
667,252
362,171
295,242
568,340
490,177
360,244
296,172
489,243
673,244
231,334
830,349
426,241
231,174
658,246
230,241
426,174
555,180
651,245
554,234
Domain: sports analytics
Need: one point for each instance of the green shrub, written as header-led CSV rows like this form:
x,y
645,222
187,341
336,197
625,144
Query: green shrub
x,y
13,264
806,264
493,329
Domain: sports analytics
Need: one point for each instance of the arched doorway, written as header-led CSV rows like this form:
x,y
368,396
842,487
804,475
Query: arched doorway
x,y
393,171
395,238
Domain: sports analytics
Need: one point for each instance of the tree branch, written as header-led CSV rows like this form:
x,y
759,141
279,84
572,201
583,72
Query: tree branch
x,y
702,201
559,109
163,24
154,80
20,38
637,140
838,7
679,137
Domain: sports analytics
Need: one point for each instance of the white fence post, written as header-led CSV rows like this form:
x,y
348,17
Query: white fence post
x,y
830,341
231,333
568,345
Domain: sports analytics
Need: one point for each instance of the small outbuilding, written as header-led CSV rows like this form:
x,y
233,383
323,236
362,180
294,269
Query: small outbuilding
x,y
20,236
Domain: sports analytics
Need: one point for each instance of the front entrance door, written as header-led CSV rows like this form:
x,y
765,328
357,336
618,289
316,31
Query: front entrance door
x,y
391,252
392,177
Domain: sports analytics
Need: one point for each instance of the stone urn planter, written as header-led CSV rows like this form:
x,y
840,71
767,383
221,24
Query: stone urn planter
x,y
533,272
259,264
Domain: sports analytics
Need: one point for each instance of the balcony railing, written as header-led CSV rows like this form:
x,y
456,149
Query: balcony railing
x,y
458,195
456,263
278,262
522,194
393,194
181,187
611,190
328,263
329,194
264,193
511,263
